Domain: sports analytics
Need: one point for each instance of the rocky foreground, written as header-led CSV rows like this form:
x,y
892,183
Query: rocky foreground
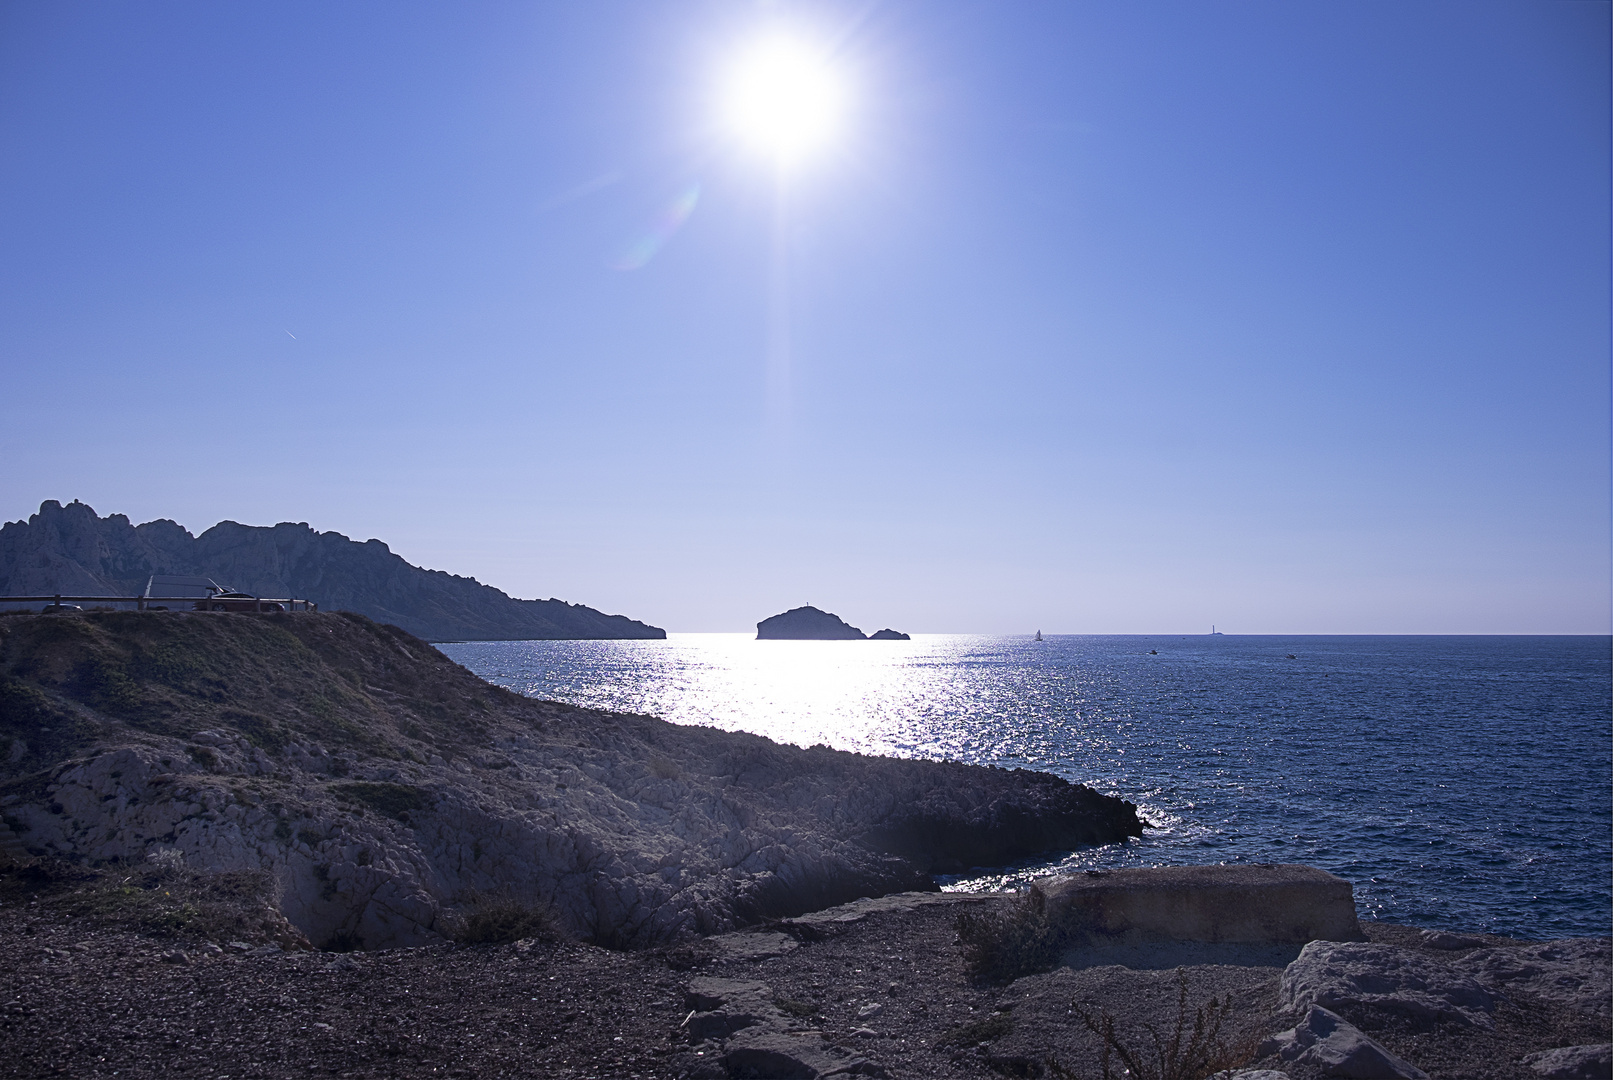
x,y
390,794
187,977
287,845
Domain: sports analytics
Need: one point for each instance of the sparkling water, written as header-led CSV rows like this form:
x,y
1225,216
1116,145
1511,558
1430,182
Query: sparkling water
x,y
1457,782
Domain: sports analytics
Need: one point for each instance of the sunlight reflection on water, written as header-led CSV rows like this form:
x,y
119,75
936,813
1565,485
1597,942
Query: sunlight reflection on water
x,y
1461,782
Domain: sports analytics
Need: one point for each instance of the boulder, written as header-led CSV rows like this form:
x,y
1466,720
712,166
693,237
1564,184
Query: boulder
x,y
1573,971
1573,1062
1338,974
1441,939
1263,904
1325,1040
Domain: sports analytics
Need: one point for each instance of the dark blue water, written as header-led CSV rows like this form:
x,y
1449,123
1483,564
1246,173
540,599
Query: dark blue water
x,y
1457,782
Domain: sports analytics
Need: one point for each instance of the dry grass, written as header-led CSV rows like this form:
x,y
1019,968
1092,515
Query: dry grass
x,y
1195,1048
160,898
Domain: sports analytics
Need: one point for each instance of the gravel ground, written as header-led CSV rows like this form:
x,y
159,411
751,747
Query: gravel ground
x,y
880,982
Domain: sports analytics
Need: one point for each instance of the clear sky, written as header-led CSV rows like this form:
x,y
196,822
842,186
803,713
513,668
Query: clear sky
x,y
1117,317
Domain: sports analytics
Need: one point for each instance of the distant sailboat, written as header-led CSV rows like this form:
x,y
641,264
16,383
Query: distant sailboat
x,y
1038,635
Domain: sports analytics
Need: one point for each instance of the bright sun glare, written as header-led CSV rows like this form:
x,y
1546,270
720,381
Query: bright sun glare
x,y
783,98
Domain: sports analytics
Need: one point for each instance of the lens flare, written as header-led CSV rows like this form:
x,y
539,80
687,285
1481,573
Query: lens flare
x,y
671,218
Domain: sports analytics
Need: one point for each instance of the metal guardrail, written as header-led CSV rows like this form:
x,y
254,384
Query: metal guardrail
x,y
196,603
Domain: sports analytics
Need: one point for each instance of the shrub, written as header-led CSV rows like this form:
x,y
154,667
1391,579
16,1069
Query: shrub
x,y
499,920
1205,1052
1019,939
994,1026
393,800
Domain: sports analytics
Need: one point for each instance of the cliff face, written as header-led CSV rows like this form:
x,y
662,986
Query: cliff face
x,y
71,550
383,785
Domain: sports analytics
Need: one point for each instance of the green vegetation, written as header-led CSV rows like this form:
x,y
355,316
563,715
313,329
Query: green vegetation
x,y
994,1026
338,680
799,1009
1018,939
393,800
159,898
499,920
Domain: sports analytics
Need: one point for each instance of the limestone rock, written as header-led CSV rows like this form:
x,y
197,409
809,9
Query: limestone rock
x,y
758,1041
1573,1062
1325,1040
1441,939
724,1006
889,635
382,784
1262,904
1335,974
807,624
1573,971
787,1055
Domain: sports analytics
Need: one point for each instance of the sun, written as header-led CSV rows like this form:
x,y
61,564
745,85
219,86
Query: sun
x,y
783,98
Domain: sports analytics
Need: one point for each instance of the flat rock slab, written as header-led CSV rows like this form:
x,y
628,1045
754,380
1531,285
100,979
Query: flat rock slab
x,y
1324,1039
753,946
1341,974
1573,1062
860,909
1263,904
1577,972
1169,955
787,1055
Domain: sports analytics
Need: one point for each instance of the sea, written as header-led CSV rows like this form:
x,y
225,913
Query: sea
x,y
1463,783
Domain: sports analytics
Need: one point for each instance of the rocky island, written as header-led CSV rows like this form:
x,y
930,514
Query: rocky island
x,y
810,624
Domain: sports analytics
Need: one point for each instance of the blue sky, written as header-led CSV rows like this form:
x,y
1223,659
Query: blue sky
x,y
1100,317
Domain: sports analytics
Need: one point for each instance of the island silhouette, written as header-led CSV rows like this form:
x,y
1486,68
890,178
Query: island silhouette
x,y
811,624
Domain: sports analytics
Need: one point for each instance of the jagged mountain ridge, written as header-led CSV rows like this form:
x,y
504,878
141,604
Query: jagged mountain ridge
x,y
72,550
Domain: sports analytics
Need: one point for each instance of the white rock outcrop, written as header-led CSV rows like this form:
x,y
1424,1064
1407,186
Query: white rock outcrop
x,y
1340,974
1324,1040
386,788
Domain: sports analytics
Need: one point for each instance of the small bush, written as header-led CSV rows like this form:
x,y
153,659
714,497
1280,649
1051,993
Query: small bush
x,y
1003,945
393,800
994,1026
499,920
792,1007
160,897
1205,1052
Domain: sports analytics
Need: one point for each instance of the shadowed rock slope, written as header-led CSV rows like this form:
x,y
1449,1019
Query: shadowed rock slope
x,y
385,786
72,551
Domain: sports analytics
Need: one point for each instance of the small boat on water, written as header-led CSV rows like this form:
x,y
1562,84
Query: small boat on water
x,y
1038,635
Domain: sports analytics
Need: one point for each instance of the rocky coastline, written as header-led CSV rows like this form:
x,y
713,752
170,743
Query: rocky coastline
x,y
308,844
384,787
